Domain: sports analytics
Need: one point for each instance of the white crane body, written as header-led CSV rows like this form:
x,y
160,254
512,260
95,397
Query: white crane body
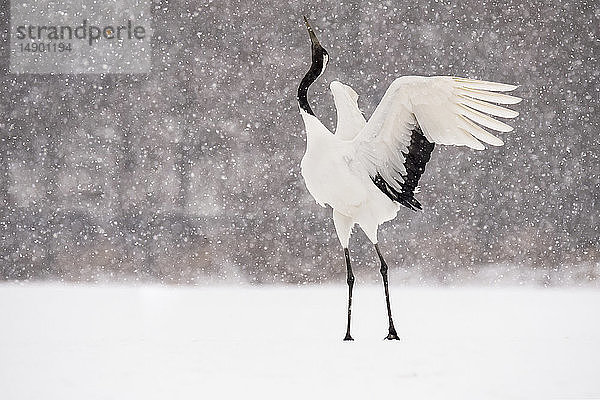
x,y
367,170
341,181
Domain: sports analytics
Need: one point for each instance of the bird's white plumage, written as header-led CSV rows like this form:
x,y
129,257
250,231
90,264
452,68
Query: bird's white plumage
x,y
350,120
367,170
338,169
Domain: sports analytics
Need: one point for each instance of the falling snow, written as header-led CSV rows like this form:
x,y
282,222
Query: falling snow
x,y
190,173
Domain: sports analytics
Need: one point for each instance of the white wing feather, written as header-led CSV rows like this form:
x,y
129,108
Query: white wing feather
x,y
448,110
350,120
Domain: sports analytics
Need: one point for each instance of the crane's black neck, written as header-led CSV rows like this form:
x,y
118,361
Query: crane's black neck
x,y
319,62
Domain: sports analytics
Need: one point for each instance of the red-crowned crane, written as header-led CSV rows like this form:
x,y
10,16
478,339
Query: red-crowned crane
x,y
367,170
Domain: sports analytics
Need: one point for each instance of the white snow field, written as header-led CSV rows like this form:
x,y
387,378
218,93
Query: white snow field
x,y
98,342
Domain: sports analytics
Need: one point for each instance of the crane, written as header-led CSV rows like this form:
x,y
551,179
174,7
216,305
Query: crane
x,y
367,170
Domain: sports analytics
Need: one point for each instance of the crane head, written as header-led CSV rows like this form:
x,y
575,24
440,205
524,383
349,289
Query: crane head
x,y
317,50
311,33
317,67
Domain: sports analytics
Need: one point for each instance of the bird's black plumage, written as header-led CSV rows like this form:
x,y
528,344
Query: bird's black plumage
x,y
319,61
417,156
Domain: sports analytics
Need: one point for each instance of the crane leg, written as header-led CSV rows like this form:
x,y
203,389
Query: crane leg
x,y
350,281
392,335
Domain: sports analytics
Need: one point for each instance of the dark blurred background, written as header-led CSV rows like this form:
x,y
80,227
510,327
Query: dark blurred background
x,y
190,174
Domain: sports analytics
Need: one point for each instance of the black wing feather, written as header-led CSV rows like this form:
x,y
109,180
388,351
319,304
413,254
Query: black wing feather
x,y
419,153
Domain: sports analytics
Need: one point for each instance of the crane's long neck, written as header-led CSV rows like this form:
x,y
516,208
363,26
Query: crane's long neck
x,y
319,63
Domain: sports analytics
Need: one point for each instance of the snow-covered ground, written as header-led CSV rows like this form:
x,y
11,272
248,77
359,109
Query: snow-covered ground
x,y
79,342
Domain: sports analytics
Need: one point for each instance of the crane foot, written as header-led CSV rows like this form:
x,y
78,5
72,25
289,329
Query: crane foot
x,y
392,335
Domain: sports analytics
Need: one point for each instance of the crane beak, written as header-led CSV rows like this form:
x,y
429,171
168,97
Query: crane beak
x,y
311,33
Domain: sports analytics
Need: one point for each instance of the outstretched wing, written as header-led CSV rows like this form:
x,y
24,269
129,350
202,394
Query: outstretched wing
x,y
417,112
350,120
